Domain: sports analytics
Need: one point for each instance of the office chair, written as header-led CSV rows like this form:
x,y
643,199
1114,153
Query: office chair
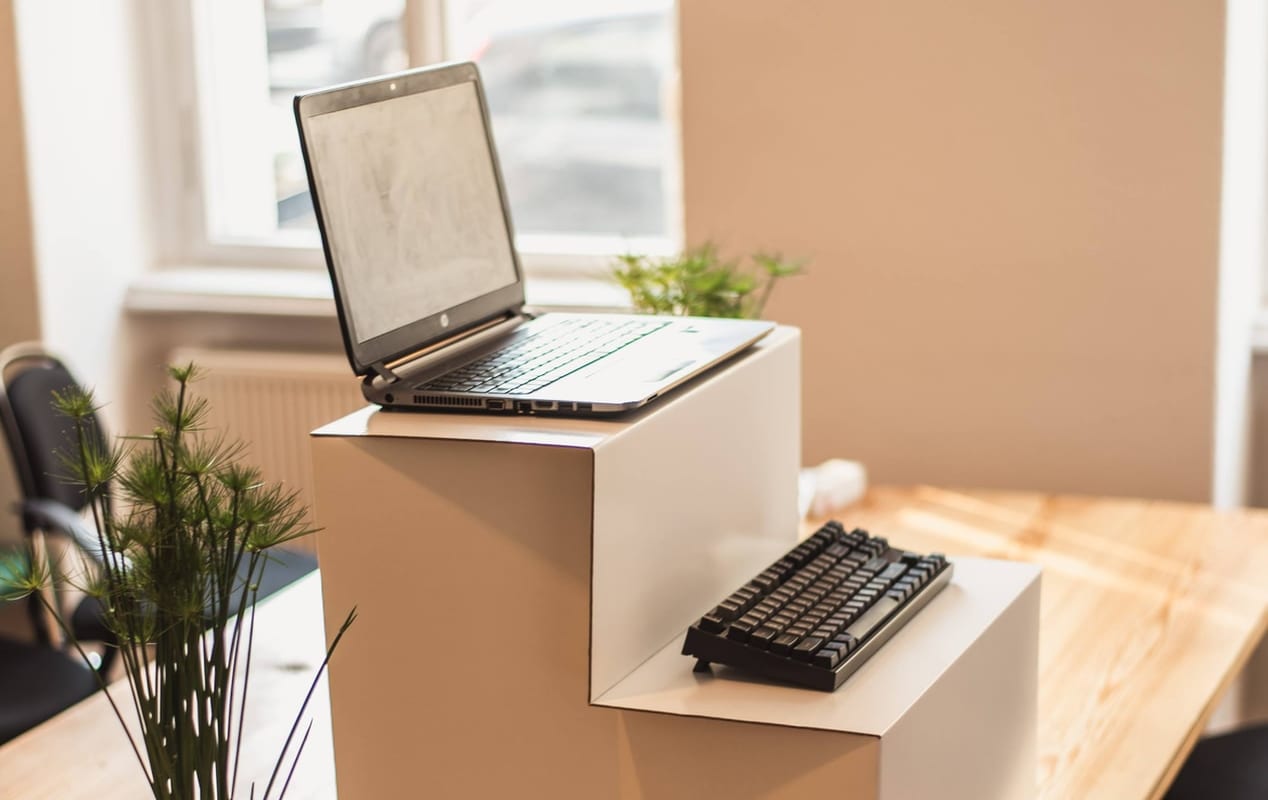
x,y
1231,766
37,682
36,432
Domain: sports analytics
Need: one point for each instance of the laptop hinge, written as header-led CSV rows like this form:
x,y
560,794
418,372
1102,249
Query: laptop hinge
x,y
385,374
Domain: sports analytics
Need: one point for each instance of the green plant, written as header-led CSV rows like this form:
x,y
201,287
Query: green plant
x,y
183,546
700,283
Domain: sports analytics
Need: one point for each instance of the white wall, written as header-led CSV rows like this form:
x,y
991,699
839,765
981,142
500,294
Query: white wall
x,y
86,140
1242,219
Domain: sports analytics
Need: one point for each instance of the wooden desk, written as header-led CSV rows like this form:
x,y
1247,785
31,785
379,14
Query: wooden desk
x,y
81,754
1149,610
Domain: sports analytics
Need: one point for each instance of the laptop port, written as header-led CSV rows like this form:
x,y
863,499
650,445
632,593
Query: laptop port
x,y
496,405
545,405
567,406
585,406
523,406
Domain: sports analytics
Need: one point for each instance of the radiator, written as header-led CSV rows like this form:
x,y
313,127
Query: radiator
x,y
271,401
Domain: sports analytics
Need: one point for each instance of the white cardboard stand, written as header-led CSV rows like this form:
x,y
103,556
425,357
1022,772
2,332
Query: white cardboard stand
x,y
524,584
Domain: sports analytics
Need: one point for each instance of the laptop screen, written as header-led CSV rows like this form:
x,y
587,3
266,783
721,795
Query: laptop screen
x,y
410,202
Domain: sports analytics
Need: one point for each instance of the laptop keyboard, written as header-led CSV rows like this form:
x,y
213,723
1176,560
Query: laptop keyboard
x,y
543,357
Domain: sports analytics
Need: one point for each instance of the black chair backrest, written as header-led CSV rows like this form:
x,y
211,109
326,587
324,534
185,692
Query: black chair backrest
x,y
39,436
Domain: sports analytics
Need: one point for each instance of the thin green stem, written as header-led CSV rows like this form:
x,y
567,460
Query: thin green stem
x,y
321,670
246,682
299,751
101,683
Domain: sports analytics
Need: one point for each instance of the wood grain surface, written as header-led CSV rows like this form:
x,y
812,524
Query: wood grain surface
x,y
1149,609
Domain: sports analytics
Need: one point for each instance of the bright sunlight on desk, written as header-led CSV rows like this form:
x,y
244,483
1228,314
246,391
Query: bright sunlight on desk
x,y
1149,610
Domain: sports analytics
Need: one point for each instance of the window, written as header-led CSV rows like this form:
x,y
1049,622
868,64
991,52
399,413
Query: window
x,y
582,95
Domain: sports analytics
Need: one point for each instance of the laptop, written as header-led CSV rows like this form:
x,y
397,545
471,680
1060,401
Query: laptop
x,y
417,235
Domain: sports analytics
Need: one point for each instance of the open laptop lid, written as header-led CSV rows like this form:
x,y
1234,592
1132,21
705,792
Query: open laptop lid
x,y
413,216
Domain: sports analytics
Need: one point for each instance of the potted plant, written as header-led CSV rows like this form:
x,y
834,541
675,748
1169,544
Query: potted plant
x,y
701,283
182,546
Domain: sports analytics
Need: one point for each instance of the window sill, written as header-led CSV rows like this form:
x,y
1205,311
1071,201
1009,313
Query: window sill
x,y
304,293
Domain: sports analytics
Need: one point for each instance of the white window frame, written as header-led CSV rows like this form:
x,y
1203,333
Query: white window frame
x,y
182,237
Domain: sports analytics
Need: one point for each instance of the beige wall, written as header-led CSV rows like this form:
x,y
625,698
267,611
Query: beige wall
x,y
19,314
19,309
1011,210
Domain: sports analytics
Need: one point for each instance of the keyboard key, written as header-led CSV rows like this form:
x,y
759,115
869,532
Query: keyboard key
x,y
823,537
763,635
845,642
782,620
824,608
876,564
807,647
783,644
837,550
827,658
767,580
766,607
873,617
893,571
712,622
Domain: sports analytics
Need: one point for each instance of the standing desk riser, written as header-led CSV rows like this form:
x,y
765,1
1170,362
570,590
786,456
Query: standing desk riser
x,y
522,584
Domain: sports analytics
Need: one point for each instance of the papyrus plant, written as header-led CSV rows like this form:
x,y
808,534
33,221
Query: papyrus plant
x,y
184,530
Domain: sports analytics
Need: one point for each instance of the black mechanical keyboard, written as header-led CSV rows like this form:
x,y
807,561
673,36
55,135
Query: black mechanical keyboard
x,y
815,615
